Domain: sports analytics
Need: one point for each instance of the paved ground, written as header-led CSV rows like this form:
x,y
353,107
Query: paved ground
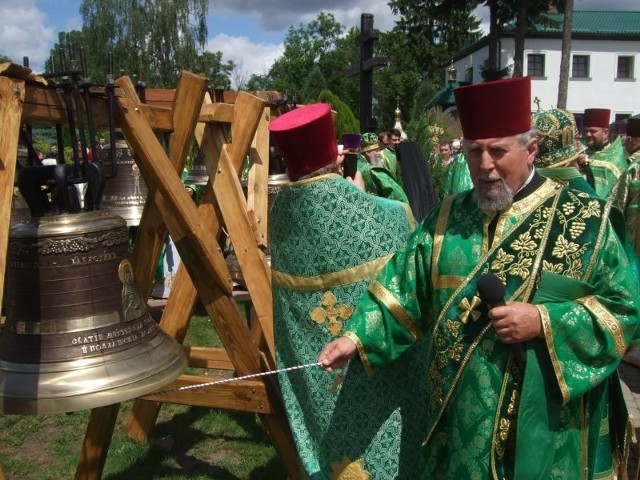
x,y
630,375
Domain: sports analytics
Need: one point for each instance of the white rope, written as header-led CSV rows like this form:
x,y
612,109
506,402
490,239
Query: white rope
x,y
235,379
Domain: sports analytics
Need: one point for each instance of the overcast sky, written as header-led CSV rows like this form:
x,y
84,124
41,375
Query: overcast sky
x,y
249,32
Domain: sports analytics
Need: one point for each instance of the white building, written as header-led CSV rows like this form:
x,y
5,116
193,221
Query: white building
x,y
605,62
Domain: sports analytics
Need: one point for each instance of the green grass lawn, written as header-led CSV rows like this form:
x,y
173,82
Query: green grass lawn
x,y
187,442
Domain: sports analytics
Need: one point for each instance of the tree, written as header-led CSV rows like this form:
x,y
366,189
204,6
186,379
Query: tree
x,y
427,35
210,65
314,84
432,31
154,39
346,122
565,61
304,46
259,82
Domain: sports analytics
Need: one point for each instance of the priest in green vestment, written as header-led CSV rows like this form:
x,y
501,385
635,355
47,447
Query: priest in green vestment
x,y
328,238
571,310
389,160
457,179
626,196
603,161
558,153
377,179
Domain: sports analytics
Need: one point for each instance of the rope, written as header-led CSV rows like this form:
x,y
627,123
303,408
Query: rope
x,y
235,379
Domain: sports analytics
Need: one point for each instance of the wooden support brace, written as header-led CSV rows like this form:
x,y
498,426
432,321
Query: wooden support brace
x,y
240,395
11,98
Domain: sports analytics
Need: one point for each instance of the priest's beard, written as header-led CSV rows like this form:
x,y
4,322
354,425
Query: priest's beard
x,y
495,198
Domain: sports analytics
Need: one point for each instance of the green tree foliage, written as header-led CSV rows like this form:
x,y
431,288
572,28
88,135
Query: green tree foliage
x,y
259,82
428,128
432,31
396,84
314,84
427,35
210,65
4,58
321,43
153,39
346,122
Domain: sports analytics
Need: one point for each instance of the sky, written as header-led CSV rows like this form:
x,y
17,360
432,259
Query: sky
x,y
248,32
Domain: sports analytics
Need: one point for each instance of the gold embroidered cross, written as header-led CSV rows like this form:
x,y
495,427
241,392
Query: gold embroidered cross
x,y
337,381
469,309
331,313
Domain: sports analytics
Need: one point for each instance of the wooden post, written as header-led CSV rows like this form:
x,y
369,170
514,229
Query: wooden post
x,y
11,98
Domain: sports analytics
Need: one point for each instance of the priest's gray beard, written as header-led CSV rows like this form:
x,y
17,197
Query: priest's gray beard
x,y
495,198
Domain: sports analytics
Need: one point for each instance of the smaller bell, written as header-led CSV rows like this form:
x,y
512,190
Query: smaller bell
x,y
125,192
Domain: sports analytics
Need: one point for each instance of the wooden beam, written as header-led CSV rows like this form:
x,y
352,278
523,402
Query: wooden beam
x,y
239,395
12,93
207,357
96,442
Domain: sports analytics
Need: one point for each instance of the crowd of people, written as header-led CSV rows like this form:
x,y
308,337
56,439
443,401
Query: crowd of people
x,y
482,340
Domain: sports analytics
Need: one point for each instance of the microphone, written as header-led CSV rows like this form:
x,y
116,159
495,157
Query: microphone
x,y
492,292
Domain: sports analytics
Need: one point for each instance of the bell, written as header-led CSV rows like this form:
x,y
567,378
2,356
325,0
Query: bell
x,y
77,334
274,184
125,193
197,174
19,207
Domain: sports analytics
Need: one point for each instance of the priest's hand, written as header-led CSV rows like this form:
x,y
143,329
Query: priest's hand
x,y
516,322
358,181
337,353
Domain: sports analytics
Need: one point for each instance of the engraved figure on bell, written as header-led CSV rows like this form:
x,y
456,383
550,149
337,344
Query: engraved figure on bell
x,y
135,171
132,305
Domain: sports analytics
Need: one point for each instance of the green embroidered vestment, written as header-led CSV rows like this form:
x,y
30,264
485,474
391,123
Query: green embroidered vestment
x,y
486,417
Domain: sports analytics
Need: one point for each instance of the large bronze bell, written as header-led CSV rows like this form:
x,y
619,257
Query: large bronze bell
x,y
125,194
77,334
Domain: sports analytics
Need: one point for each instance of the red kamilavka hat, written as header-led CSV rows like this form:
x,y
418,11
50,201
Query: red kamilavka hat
x,y
501,108
305,137
597,117
633,127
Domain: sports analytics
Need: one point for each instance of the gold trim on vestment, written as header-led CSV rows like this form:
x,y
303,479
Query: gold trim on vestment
x,y
438,236
449,281
531,201
363,356
325,281
607,165
410,218
608,321
299,183
604,223
397,310
555,362
449,394
497,419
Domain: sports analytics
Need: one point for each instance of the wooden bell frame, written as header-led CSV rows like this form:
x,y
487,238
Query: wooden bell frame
x,y
203,273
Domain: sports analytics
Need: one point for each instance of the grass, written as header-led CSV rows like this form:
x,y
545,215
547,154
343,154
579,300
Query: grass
x,y
187,443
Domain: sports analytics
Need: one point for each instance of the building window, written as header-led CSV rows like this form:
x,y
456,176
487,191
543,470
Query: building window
x,y
580,66
468,74
625,67
535,64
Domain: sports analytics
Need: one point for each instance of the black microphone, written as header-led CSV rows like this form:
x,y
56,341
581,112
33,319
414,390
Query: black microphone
x,y
492,292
